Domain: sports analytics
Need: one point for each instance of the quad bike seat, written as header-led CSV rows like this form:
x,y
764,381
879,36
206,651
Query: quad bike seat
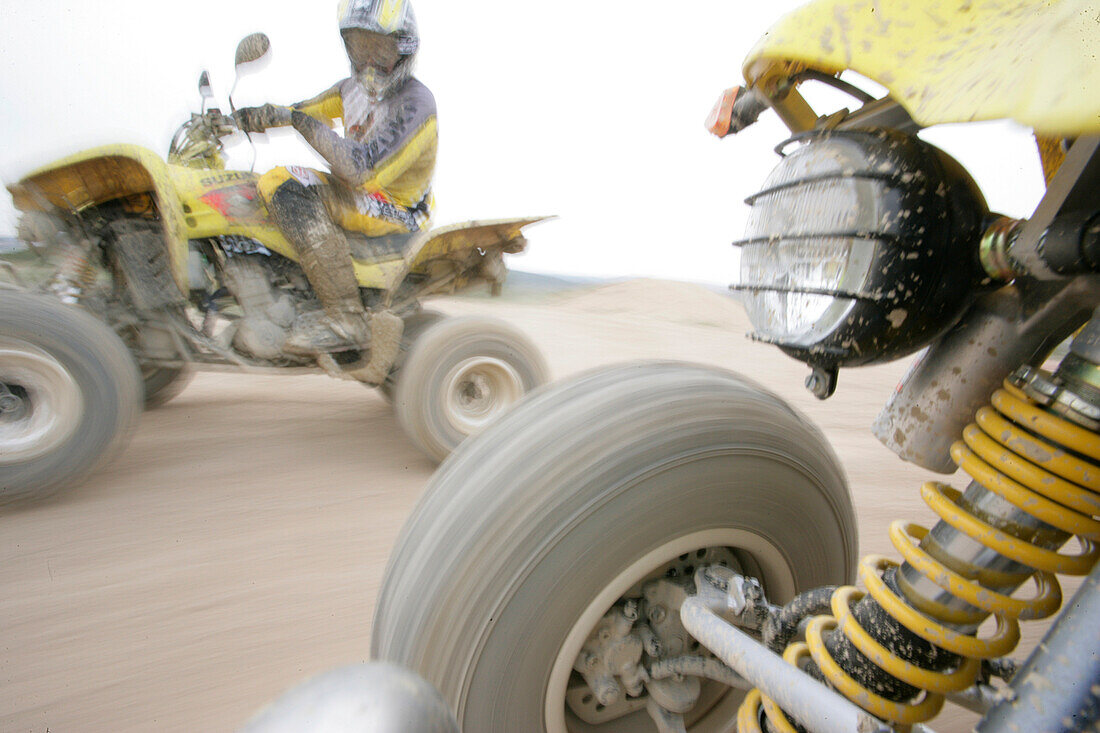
x,y
378,249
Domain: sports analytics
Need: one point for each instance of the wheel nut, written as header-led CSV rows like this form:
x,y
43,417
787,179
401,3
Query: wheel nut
x,y
607,691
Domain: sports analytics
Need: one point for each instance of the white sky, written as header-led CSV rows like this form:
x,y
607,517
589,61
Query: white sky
x,y
592,111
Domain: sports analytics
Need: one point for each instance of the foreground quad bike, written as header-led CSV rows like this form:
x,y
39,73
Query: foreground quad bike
x,y
182,263
653,547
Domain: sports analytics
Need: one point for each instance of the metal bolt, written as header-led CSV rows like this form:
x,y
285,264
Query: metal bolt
x,y
607,691
650,642
821,383
713,578
657,614
591,660
630,610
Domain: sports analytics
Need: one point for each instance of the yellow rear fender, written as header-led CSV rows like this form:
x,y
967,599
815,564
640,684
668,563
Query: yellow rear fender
x,y
456,240
1033,61
454,245
103,174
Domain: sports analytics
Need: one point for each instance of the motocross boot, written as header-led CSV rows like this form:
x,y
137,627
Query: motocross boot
x,y
326,260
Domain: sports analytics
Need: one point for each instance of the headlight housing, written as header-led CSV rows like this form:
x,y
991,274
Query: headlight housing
x,y
861,247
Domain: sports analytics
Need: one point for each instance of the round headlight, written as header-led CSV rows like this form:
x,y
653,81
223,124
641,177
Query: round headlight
x,y
861,247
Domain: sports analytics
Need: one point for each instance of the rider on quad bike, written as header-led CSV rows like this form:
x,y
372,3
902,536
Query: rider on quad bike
x,y
382,169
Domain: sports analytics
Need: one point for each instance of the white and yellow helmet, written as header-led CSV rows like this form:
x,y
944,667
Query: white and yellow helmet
x,y
381,40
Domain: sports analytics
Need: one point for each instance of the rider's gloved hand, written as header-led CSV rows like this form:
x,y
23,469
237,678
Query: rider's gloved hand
x,y
258,119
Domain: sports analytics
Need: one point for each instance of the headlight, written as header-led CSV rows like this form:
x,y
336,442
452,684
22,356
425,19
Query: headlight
x,y
861,247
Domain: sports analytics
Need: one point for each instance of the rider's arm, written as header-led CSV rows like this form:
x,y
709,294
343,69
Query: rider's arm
x,y
378,161
327,107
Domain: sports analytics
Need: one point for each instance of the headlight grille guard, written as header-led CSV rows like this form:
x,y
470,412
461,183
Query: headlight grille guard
x,y
935,204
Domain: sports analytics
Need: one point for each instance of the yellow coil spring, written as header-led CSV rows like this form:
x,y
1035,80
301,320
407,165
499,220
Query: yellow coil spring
x,y
1020,452
76,268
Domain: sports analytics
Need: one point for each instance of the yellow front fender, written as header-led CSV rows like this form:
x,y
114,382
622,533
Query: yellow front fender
x,y
1033,61
105,173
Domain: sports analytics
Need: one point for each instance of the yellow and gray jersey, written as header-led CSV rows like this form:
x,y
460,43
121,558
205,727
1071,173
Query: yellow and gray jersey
x,y
390,144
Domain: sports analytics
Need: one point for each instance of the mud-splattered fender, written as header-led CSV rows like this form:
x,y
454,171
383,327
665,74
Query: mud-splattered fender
x,y
104,173
1033,61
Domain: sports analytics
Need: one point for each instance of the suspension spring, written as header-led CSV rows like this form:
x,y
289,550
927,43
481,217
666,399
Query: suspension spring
x,y
912,638
76,273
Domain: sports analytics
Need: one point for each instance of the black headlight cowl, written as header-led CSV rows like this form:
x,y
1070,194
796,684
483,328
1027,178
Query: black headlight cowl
x,y
861,248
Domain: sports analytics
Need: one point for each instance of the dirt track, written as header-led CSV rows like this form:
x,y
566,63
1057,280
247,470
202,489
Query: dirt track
x,y
237,545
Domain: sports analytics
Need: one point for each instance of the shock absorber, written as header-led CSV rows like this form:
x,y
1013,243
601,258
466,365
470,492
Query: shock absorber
x,y
1033,455
76,271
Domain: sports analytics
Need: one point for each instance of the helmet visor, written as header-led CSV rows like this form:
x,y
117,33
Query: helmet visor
x,y
367,50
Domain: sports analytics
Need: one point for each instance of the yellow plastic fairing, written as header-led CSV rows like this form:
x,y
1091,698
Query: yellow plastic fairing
x,y
1033,61
447,241
105,173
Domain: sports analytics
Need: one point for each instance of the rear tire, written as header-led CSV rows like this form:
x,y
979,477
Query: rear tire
x,y
415,325
460,375
530,532
162,384
77,395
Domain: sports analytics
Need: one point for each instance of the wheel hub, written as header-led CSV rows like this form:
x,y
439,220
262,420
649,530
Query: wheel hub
x,y
478,389
12,402
40,403
475,393
676,561
612,668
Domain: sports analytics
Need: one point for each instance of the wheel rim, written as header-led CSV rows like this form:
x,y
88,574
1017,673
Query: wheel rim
x,y
478,389
772,568
43,404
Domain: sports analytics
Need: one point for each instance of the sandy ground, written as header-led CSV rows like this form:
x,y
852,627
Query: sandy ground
x,y
238,543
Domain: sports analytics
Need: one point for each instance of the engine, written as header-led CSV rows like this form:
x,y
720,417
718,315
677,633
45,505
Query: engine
x,y
268,313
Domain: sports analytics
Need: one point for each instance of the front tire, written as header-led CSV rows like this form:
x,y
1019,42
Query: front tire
x,y
162,384
73,394
460,375
536,527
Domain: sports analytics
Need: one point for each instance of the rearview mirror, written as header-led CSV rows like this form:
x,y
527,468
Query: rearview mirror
x,y
204,86
252,48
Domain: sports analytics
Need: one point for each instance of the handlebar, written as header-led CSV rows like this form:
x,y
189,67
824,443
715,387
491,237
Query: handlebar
x,y
222,125
200,136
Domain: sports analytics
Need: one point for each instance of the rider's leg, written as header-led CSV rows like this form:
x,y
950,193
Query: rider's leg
x,y
300,210
376,215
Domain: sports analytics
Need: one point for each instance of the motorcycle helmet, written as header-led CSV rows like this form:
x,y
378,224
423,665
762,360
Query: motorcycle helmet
x,y
381,41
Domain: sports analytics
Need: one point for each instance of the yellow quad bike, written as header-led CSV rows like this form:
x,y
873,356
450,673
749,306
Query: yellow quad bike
x,y
668,547
177,265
